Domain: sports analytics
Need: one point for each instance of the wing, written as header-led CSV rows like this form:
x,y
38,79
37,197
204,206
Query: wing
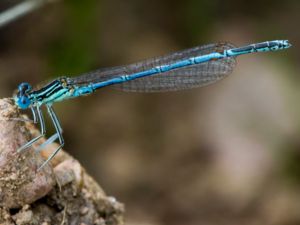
x,y
178,79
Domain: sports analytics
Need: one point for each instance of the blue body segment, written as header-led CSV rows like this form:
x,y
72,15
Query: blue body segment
x,y
161,73
186,69
158,70
176,65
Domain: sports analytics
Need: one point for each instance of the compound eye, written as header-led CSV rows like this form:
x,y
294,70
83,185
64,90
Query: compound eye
x,y
24,102
24,87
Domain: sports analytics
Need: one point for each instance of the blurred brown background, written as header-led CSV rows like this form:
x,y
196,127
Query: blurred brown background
x,y
225,154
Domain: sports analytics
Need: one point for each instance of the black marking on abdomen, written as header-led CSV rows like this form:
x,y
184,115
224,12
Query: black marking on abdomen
x,y
262,45
243,49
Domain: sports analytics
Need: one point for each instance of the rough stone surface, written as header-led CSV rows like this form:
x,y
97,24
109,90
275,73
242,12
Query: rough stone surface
x,y
61,193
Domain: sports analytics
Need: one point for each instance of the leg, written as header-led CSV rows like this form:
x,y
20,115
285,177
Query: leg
x,y
47,142
43,130
54,136
35,118
58,134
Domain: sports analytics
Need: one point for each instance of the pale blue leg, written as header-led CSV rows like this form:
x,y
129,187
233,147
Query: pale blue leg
x,y
47,142
37,118
53,137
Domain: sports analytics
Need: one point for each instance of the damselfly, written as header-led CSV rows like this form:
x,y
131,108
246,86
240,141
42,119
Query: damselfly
x,y
195,67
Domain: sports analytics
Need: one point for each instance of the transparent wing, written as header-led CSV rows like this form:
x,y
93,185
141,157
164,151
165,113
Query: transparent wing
x,y
177,79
